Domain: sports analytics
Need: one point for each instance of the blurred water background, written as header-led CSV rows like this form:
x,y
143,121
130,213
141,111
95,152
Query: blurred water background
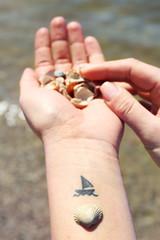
x,y
124,29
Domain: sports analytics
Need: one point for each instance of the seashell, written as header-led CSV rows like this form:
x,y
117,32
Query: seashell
x,y
80,94
72,85
49,76
45,79
60,80
59,73
83,92
52,85
62,89
50,73
87,214
77,102
74,76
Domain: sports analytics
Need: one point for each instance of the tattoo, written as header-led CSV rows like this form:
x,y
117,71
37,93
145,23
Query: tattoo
x,y
87,189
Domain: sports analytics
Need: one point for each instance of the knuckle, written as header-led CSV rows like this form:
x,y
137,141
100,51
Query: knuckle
x,y
132,62
42,62
125,107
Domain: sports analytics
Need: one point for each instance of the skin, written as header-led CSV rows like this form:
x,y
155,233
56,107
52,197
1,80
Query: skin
x,y
76,142
146,81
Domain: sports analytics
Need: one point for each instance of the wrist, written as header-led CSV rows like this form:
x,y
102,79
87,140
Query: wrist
x,y
97,161
78,152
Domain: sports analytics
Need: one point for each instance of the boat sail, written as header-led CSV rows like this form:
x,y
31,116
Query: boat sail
x,y
87,188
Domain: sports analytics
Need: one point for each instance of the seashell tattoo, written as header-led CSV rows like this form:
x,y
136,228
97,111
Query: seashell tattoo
x,y
72,85
88,215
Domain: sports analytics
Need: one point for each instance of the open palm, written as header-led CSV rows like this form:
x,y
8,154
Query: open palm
x,y
47,111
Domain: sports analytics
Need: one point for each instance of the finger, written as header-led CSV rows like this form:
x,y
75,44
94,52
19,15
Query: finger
x,y
145,124
142,75
60,50
125,106
29,79
128,87
93,50
43,57
76,40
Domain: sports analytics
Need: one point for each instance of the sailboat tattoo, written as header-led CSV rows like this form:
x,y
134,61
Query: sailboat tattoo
x,y
87,189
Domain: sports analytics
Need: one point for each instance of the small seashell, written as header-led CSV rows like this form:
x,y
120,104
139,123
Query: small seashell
x,y
80,94
60,80
50,73
59,73
74,76
52,85
77,102
87,214
45,79
83,92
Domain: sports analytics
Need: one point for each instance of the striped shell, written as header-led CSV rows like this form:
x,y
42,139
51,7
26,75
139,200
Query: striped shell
x,y
52,85
87,214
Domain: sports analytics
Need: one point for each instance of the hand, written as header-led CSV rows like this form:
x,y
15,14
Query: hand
x,y
76,142
146,81
49,113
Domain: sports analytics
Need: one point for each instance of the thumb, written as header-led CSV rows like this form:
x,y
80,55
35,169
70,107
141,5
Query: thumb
x,y
145,124
28,80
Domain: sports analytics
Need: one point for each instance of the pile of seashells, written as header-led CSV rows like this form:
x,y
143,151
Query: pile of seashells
x,y
72,85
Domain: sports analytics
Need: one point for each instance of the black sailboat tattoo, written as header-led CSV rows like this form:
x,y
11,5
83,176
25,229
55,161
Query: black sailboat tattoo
x,y
87,189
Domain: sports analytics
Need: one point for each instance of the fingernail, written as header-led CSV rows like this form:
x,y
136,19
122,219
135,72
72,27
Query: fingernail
x,y
109,91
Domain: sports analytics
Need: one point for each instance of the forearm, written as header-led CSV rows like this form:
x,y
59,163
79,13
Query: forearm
x,y
97,162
